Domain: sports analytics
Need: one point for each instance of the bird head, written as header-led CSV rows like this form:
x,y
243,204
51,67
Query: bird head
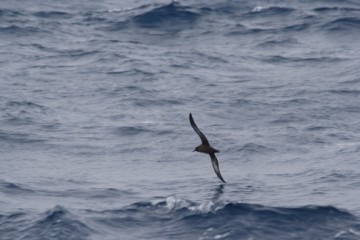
x,y
196,149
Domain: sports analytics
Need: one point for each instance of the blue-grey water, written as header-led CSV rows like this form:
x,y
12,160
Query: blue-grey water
x,y
95,140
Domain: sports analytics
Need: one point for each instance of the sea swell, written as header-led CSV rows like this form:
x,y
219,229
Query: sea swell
x,y
177,218
183,219
56,223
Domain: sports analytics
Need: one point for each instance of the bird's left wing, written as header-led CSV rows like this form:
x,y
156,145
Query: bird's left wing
x,y
215,164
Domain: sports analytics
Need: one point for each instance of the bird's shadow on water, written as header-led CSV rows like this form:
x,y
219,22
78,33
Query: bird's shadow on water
x,y
218,192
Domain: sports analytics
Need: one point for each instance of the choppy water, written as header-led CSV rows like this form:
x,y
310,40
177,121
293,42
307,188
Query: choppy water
x,y
95,141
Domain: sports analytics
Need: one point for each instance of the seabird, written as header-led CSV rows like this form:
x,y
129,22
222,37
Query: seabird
x,y
206,148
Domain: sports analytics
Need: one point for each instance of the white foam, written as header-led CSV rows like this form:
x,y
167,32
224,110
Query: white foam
x,y
258,9
173,203
339,234
221,236
203,207
354,232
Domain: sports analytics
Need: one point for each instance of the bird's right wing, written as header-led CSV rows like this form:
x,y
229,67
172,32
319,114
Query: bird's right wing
x,y
215,164
201,135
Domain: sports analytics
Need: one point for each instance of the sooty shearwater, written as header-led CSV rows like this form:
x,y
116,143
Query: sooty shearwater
x,y
206,148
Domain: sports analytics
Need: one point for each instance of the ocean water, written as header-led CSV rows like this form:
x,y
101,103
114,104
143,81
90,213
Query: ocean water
x,y
95,140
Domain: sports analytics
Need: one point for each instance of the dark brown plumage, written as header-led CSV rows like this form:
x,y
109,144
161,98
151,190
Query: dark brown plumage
x,y
206,148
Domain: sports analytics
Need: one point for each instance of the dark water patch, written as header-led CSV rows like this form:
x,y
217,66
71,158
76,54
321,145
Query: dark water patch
x,y
131,130
109,193
212,59
341,136
12,224
226,8
132,90
93,193
296,27
356,80
169,18
75,54
9,13
295,102
346,92
133,149
279,42
38,46
13,188
250,30
317,128
168,15
343,24
335,9
241,102
252,148
22,112
131,72
57,223
310,60
157,103
25,104
339,177
288,118
351,109
52,14
19,138
137,130
95,18
21,31
18,120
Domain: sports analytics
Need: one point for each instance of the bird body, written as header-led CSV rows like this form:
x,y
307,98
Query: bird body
x,y
206,148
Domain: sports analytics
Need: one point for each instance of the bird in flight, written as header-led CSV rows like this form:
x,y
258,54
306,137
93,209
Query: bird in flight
x,y
206,148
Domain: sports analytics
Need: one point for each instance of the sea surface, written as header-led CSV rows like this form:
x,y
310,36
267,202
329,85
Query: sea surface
x,y
95,139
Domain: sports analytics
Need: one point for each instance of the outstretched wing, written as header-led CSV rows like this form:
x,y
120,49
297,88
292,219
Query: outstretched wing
x,y
201,135
215,164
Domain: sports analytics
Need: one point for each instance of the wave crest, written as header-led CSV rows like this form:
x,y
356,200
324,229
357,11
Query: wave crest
x,y
183,218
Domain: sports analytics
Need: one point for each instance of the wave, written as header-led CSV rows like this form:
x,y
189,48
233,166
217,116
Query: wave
x,y
352,92
52,14
94,193
331,9
136,130
23,112
130,130
19,30
171,17
57,223
273,10
343,24
13,188
174,17
22,138
252,148
183,219
9,13
27,104
284,59
176,218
